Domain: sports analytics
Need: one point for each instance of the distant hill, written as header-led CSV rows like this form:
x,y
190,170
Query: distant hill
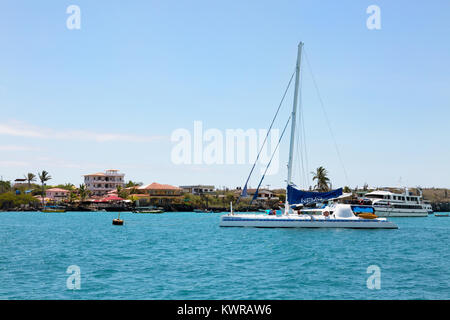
x,y
437,194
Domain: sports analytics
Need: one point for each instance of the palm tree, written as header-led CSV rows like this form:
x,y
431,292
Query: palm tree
x,y
72,196
83,191
31,177
321,175
121,192
69,186
44,177
133,184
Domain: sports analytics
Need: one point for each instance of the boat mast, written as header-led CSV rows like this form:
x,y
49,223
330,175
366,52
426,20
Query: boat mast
x,y
287,208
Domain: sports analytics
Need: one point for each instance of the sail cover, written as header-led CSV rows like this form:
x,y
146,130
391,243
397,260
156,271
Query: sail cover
x,y
296,196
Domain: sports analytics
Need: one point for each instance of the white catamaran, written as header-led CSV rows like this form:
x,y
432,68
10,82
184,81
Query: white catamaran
x,y
338,216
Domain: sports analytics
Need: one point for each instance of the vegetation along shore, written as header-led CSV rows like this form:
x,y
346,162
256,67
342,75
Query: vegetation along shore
x,y
33,192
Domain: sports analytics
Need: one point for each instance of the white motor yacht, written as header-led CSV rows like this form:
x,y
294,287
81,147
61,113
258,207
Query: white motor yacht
x,y
389,204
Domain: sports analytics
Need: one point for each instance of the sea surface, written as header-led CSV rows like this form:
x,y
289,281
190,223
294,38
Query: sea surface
x,y
188,256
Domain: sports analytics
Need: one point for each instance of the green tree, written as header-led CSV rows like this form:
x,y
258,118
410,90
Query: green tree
x,y
133,184
44,177
31,177
229,197
68,186
322,180
72,196
83,192
122,193
5,186
11,200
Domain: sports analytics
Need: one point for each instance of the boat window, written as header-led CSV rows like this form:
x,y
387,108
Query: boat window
x,y
374,196
406,206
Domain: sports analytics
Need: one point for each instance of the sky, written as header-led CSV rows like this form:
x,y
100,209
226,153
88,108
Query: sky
x,y
111,94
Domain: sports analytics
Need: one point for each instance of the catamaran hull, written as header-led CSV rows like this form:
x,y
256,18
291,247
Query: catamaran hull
x,y
233,221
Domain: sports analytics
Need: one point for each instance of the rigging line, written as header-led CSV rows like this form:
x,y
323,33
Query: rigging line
x,y
326,117
271,158
268,132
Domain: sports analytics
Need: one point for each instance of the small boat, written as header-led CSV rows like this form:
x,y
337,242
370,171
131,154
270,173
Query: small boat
x,y
202,211
118,221
441,214
53,209
151,210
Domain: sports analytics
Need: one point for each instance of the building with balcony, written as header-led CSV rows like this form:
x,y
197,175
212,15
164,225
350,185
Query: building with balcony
x,y
99,184
56,194
198,189
263,194
156,194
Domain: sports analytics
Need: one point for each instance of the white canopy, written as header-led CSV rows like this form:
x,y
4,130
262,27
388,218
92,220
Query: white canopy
x,y
343,211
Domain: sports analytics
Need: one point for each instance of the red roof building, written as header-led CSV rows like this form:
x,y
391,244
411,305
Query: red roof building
x,y
162,190
56,194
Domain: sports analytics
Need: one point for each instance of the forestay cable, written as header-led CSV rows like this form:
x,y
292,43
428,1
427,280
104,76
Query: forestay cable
x,y
268,165
244,191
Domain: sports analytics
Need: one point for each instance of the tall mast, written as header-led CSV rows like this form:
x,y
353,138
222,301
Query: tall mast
x,y
293,121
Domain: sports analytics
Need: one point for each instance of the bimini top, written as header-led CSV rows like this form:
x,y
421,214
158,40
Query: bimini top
x,y
343,211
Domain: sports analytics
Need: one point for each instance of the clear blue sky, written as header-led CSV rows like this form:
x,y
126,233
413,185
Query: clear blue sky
x,y
139,70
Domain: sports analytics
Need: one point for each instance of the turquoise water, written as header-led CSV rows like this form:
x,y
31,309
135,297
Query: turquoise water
x,y
188,256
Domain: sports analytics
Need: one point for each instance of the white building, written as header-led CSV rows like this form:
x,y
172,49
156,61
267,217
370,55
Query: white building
x,y
99,184
198,189
57,194
263,194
